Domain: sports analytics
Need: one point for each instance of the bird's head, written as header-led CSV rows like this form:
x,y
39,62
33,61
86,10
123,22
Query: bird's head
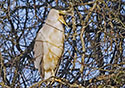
x,y
56,15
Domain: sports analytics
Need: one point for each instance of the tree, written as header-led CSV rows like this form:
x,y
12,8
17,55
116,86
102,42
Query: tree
x,y
94,51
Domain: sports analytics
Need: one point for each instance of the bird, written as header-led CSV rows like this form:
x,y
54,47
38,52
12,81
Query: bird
x,y
49,44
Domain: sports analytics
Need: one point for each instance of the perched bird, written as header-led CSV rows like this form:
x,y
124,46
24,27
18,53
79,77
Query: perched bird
x,y
49,43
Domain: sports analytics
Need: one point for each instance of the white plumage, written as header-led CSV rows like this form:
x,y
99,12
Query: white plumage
x,y
49,43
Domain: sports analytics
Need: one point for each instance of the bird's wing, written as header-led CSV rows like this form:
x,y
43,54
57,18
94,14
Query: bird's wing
x,y
38,50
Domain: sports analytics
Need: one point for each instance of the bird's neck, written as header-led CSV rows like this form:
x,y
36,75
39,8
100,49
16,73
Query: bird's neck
x,y
57,25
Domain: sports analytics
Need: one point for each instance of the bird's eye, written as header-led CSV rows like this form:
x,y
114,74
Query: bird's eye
x,y
60,14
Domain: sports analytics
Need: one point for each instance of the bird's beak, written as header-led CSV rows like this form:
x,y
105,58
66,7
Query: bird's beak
x,y
61,19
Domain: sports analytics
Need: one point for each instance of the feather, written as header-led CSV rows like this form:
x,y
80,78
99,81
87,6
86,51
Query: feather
x,y
48,45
